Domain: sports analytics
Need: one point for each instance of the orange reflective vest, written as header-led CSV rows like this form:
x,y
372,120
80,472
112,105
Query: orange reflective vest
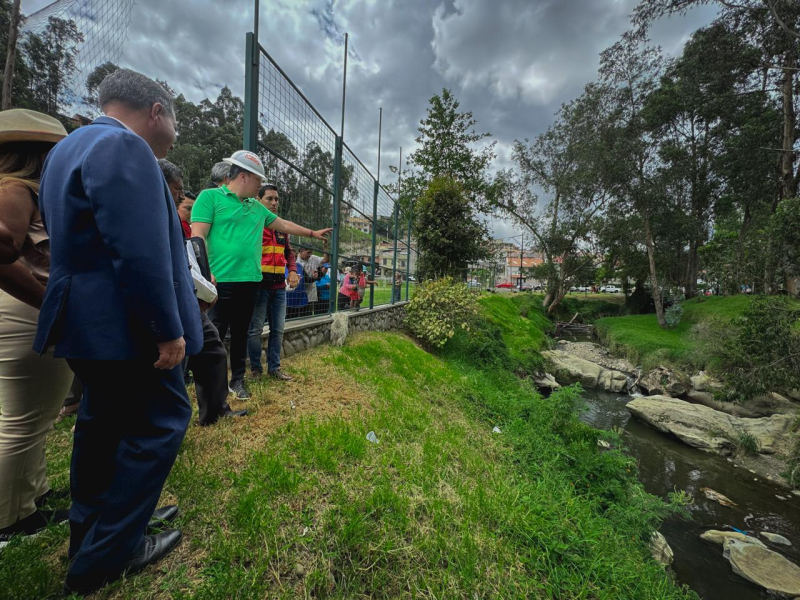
x,y
273,255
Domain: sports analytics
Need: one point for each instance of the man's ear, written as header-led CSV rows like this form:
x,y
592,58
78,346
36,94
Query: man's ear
x,y
156,111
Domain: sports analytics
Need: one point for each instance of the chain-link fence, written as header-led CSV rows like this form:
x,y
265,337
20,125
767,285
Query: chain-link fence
x,y
370,259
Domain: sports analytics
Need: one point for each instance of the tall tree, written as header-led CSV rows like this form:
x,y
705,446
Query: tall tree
x,y
11,54
566,164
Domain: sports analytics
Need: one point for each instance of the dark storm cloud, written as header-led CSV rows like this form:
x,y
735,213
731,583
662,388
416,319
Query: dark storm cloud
x,y
512,62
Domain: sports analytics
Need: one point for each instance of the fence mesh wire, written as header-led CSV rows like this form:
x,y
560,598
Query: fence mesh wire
x,y
104,26
298,148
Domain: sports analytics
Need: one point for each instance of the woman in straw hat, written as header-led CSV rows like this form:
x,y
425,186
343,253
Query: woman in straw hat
x,y
32,387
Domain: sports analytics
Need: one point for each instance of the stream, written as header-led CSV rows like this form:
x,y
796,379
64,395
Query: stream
x,y
666,464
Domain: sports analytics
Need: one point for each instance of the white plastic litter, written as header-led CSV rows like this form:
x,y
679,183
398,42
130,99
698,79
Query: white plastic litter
x,y
372,437
496,429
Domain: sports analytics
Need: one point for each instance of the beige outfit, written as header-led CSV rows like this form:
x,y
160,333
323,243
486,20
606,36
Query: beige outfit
x,y
32,390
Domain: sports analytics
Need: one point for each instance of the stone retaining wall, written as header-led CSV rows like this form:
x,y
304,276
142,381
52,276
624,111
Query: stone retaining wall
x,y
304,334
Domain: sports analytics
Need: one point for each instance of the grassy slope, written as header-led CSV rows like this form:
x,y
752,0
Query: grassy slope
x,y
640,338
293,502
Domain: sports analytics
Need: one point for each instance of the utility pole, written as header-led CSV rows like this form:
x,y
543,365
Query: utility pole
x,y
11,55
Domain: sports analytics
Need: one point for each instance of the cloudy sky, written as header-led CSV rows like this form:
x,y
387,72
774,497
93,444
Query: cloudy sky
x,y
511,62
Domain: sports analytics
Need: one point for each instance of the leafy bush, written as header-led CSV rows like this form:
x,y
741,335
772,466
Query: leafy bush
x,y
747,445
439,308
673,315
761,353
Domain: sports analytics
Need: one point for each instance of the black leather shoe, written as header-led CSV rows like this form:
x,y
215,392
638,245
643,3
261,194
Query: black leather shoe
x,y
154,548
162,516
234,413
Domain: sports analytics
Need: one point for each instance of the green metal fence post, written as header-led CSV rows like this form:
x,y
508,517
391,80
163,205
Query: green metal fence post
x,y
408,248
374,241
395,293
337,193
251,93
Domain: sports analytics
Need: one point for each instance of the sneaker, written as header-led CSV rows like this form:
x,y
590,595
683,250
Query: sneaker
x,y
256,374
67,411
280,375
32,524
237,387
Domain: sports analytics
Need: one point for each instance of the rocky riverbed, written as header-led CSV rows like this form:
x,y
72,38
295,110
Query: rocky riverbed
x,y
688,443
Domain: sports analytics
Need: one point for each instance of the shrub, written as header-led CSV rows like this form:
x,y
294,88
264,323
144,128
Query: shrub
x,y
439,308
747,445
673,315
762,352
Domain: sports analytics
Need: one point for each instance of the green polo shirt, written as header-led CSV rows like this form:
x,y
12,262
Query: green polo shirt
x,y
234,241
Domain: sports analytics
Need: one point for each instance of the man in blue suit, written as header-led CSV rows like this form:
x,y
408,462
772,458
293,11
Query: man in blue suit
x,y
121,307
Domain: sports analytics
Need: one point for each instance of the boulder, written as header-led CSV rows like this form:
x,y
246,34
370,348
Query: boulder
x,y
703,383
732,408
719,537
571,369
763,567
664,382
775,538
710,430
546,381
660,550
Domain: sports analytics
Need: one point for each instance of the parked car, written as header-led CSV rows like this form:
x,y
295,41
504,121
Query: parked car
x,y
504,286
474,285
610,289
527,287
583,288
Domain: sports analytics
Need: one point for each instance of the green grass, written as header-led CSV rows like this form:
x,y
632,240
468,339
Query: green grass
x,y
641,340
294,502
522,324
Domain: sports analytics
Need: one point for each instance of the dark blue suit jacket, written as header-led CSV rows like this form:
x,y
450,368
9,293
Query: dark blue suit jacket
x,y
119,276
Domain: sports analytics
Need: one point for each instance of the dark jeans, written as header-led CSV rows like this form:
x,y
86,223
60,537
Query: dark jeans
x,y
270,307
130,425
210,370
234,311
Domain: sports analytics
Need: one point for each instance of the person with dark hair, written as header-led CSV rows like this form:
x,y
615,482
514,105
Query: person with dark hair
x,y
185,211
120,306
277,256
209,367
32,387
232,222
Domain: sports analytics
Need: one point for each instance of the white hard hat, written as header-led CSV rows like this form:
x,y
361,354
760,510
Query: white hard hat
x,y
247,161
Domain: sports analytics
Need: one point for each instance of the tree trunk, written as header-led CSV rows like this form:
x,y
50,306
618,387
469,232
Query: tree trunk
x,y
11,56
653,275
788,181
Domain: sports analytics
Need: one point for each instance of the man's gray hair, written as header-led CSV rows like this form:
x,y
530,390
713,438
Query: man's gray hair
x,y
172,172
219,172
134,90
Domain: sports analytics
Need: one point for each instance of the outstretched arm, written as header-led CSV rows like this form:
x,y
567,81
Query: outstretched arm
x,y
292,228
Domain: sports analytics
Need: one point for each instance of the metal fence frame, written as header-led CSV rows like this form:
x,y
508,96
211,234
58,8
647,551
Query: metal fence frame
x,y
254,122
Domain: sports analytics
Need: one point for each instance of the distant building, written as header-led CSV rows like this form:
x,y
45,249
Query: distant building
x,y
359,223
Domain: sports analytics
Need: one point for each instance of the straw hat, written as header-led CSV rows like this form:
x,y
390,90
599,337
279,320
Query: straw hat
x,y
22,125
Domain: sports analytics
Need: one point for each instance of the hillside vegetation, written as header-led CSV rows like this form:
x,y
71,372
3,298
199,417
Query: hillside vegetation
x,y
643,341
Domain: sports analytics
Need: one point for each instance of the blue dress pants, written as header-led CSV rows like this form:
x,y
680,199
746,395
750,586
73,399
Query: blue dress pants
x,y
130,425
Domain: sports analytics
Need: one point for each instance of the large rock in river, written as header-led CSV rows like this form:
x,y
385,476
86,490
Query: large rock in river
x,y
570,369
711,430
763,567
664,382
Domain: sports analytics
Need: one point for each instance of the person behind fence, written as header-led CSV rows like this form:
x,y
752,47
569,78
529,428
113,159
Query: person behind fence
x,y
120,306
311,263
277,257
209,367
349,286
232,221
363,282
297,297
220,174
32,387
323,289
